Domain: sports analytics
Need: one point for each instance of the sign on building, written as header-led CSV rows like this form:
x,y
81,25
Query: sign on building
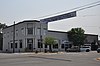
x,y
59,17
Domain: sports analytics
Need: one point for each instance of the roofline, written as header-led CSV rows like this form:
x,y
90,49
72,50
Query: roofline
x,y
91,34
67,32
56,31
23,22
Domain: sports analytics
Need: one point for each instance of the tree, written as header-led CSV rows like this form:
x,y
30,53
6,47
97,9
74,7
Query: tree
x,y
1,41
76,35
49,41
2,26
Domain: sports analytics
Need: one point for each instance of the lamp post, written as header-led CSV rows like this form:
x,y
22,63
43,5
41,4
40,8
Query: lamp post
x,y
14,37
40,38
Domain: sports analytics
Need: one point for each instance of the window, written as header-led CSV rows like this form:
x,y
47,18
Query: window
x,y
8,34
40,44
30,43
12,33
38,31
11,45
15,45
20,43
44,32
22,30
62,46
46,46
29,30
16,32
55,46
30,40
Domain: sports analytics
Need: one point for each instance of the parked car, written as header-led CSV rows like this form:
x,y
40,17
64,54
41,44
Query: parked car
x,y
85,48
98,50
73,49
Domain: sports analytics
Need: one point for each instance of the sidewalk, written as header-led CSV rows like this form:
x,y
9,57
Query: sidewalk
x,y
42,53
32,53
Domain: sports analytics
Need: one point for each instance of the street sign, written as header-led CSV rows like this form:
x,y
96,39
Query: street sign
x,y
59,17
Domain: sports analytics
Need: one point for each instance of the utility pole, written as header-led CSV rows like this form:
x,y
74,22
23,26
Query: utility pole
x,y
40,38
14,37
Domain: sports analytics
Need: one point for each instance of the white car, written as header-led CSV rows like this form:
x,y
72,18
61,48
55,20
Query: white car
x,y
85,48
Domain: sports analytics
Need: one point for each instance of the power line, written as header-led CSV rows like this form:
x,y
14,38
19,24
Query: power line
x,y
88,7
87,26
77,8
89,16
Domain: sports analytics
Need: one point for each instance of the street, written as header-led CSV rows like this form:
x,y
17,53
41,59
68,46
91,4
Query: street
x,y
50,59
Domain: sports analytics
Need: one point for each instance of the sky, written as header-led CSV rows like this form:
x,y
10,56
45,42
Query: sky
x,y
19,10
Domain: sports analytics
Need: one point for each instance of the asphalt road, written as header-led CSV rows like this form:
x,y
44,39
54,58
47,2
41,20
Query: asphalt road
x,y
55,59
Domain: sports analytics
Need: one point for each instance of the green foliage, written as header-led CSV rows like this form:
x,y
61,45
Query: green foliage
x,y
49,41
76,35
2,26
1,35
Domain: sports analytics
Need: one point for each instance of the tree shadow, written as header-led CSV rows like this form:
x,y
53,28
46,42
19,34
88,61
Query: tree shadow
x,y
59,59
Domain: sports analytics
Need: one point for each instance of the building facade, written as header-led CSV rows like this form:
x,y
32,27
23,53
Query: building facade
x,y
29,35
61,39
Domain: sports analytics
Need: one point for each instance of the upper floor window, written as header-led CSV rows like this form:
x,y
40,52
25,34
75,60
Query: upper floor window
x,y
8,34
12,33
22,30
4,35
38,31
44,31
16,32
29,30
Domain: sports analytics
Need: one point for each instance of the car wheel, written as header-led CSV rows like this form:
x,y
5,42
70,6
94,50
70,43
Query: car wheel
x,y
98,51
87,50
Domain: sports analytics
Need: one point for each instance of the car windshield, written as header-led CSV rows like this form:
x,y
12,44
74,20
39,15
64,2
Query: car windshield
x,y
98,48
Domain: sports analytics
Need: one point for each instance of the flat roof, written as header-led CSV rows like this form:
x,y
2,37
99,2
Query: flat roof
x,y
56,31
67,32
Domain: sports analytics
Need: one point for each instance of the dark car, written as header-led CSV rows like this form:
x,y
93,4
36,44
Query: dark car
x,y
98,50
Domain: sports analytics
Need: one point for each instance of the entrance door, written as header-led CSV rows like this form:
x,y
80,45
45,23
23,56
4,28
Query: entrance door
x,y
30,44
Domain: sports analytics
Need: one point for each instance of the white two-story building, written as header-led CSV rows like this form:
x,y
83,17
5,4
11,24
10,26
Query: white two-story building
x,y
27,34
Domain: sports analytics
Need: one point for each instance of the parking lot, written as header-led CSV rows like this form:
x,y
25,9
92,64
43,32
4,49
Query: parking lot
x,y
50,59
